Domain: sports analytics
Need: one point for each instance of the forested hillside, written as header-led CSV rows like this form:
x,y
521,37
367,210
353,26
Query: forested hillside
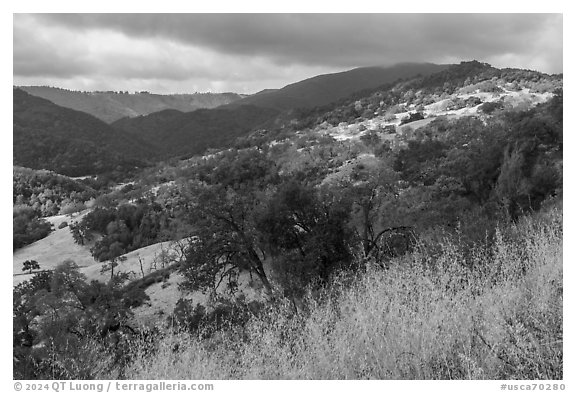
x,y
413,231
467,84
325,89
47,136
176,133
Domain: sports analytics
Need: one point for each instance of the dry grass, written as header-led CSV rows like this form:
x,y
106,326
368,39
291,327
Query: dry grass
x,y
52,250
491,313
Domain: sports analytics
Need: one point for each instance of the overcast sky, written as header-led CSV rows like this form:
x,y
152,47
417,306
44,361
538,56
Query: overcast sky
x,y
245,53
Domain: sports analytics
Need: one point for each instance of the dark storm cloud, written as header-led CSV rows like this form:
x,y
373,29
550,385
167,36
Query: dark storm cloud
x,y
250,52
32,53
63,52
336,39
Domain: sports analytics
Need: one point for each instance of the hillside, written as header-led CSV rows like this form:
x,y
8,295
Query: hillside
x,y
47,193
74,143
453,107
324,89
459,90
52,250
408,321
110,106
175,133
422,203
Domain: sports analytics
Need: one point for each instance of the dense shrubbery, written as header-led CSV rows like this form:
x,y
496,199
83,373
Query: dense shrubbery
x,y
47,192
247,207
512,160
27,227
223,313
125,228
490,107
67,328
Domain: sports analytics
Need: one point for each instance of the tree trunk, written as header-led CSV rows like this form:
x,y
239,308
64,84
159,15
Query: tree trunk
x,y
141,267
266,283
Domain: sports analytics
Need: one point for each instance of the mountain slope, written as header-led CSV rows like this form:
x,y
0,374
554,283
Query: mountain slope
x,y
183,134
111,106
324,89
455,88
47,136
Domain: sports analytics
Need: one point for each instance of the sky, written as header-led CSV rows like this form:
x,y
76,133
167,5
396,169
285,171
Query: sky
x,y
245,53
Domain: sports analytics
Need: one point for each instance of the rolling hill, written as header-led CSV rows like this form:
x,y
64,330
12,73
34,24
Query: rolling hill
x,y
456,200
110,106
69,142
175,133
324,89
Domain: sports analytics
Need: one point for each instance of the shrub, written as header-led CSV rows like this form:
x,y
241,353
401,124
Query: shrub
x,y
490,107
27,229
412,117
135,297
72,207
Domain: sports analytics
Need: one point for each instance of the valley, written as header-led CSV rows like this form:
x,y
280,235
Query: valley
x,y
110,106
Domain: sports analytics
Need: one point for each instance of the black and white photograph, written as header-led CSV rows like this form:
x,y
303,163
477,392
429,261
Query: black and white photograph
x,y
287,196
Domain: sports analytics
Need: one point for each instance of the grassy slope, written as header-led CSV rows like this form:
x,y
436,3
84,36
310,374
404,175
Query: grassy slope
x,y
52,250
59,246
407,322
131,265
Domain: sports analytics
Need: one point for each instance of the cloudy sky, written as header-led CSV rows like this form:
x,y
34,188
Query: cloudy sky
x,y
165,53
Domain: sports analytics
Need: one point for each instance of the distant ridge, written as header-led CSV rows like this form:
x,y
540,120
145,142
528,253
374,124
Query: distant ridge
x,y
69,142
324,89
110,106
175,133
